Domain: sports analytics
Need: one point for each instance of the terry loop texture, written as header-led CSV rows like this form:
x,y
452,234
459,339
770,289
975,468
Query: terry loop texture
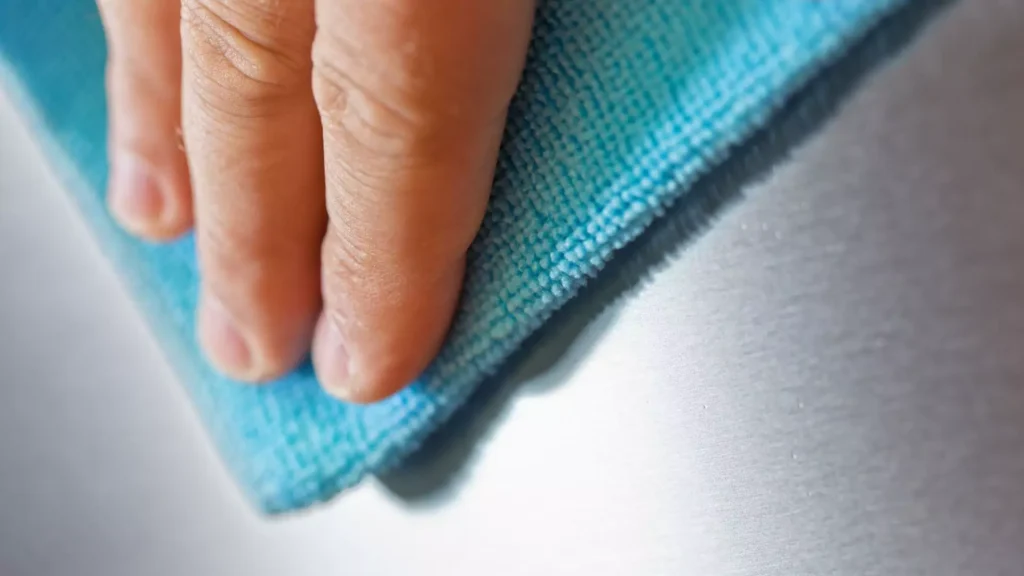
x,y
624,105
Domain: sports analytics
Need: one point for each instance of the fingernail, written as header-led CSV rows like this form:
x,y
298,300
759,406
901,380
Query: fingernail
x,y
332,360
222,340
135,195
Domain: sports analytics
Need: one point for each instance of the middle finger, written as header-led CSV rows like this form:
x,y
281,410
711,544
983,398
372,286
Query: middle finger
x,y
254,144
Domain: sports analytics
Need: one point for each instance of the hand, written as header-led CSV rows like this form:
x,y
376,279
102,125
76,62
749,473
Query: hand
x,y
335,158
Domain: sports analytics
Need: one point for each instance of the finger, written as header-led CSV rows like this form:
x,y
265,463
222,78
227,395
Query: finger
x,y
253,137
412,97
149,188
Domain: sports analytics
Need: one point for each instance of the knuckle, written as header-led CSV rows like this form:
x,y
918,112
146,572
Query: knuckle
x,y
403,222
242,54
226,255
350,267
384,112
367,244
381,266
241,254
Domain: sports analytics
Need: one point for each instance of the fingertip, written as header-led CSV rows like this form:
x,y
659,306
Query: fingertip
x,y
236,351
222,341
145,203
375,339
347,378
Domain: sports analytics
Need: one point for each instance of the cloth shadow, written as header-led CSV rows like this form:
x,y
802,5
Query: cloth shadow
x,y
432,475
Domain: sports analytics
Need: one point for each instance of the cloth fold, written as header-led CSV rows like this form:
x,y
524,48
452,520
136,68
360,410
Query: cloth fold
x,y
624,106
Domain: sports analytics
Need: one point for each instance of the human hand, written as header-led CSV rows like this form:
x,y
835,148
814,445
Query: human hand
x,y
335,158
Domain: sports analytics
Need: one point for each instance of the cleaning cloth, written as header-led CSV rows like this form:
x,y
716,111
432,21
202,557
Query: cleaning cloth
x,y
625,105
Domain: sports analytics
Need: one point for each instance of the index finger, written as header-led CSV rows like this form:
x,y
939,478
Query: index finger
x,y
412,97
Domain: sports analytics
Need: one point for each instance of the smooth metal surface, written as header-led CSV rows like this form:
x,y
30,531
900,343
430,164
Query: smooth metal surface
x,y
829,381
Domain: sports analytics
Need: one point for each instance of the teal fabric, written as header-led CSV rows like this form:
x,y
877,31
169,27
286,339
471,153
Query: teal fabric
x,y
624,107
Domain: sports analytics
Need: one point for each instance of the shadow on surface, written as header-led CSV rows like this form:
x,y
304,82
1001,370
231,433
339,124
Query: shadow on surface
x,y
433,474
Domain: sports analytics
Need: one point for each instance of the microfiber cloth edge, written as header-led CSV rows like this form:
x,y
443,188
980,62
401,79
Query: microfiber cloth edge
x,y
579,177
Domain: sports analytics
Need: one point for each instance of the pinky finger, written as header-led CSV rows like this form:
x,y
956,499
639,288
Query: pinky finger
x,y
149,191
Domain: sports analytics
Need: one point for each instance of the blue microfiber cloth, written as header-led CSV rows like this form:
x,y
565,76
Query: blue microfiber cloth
x,y
625,105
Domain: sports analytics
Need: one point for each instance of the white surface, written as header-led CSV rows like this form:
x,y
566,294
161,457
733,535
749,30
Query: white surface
x,y
829,381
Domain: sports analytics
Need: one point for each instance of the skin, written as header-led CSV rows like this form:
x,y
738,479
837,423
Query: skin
x,y
334,158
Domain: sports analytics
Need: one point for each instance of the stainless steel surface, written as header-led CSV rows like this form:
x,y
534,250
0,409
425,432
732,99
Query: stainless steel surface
x,y
829,381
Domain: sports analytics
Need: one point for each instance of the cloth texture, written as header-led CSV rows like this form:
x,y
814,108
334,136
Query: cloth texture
x,y
624,106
